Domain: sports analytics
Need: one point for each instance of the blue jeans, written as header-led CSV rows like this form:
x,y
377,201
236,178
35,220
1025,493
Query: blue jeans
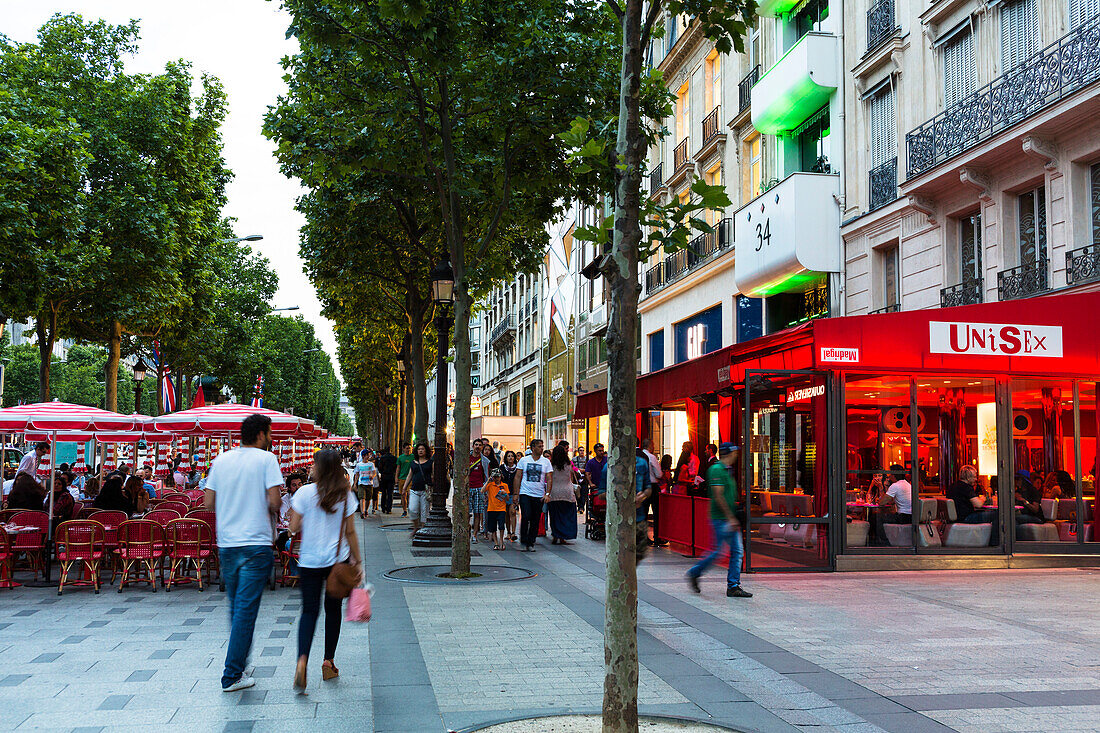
x,y
723,536
246,570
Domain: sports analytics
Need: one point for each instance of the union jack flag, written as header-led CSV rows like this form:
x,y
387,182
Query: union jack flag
x,y
258,395
167,391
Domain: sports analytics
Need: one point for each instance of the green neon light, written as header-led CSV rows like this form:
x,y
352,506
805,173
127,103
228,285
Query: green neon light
x,y
777,8
785,284
793,105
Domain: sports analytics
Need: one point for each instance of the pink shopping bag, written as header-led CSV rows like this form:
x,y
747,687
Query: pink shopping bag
x,y
358,605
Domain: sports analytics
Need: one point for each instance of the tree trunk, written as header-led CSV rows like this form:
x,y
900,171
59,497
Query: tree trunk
x,y
460,495
419,391
45,354
620,701
114,346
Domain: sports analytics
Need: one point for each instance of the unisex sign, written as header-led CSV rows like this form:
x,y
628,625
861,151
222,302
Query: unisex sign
x,y
994,339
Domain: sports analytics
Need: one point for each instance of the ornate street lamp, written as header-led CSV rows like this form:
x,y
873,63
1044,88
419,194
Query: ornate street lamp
x,y
437,532
140,368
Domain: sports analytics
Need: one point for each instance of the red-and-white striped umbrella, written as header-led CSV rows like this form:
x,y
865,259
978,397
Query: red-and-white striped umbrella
x,y
223,419
56,415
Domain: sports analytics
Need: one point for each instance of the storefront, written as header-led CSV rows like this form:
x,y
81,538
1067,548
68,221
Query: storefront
x,y
824,410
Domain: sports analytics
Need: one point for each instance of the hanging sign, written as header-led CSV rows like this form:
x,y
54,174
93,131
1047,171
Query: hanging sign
x,y
994,339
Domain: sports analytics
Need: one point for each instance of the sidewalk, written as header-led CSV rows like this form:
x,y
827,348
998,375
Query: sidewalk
x,y
974,651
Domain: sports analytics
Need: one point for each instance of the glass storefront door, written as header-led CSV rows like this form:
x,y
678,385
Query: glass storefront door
x,y
785,470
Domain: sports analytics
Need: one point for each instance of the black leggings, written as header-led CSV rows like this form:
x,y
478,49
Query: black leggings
x,y
312,582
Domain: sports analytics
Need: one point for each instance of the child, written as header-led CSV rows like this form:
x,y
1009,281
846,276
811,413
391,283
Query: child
x,y
497,499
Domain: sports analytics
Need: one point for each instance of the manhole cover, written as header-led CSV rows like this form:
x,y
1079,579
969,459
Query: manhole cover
x,y
429,574
397,527
439,553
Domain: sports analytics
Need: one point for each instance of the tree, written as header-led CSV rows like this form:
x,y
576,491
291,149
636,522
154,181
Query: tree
x,y
620,167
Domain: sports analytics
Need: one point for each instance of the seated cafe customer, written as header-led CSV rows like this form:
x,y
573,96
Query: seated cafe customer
x,y
970,502
1027,498
897,503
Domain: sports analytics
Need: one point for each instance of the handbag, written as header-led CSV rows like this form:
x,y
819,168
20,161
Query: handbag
x,y
359,605
343,576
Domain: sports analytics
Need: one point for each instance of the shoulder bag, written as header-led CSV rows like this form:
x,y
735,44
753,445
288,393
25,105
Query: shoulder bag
x,y
343,576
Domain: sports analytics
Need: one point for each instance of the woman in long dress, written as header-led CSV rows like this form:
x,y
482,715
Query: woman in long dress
x,y
561,497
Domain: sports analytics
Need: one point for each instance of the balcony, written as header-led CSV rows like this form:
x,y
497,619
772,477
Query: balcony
x,y
776,251
965,293
656,179
880,24
1023,281
503,333
712,134
744,89
1059,70
680,157
892,308
698,252
883,184
1083,265
797,85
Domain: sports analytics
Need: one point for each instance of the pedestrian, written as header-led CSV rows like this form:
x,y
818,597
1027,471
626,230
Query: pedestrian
x,y
579,460
364,481
724,521
404,462
593,470
418,485
387,478
656,475
508,475
686,473
497,499
476,480
561,497
530,481
489,463
323,513
243,490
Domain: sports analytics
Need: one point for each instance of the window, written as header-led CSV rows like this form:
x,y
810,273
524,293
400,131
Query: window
x,y
603,349
1081,11
698,335
891,268
582,358
811,16
593,352
970,248
884,136
713,177
657,350
755,57
811,136
1032,220
750,321
1094,204
513,403
713,86
683,112
1019,32
958,67
529,399
754,153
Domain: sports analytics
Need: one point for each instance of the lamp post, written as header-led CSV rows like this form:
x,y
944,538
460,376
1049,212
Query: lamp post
x,y
249,238
140,367
437,532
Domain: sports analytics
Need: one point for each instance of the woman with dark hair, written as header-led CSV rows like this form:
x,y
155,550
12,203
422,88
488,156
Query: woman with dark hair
x,y
112,498
666,473
508,474
63,505
26,493
418,484
687,469
135,493
324,513
561,497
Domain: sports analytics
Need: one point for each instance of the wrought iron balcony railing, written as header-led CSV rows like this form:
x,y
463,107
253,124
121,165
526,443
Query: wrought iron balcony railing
x,y
710,126
1083,265
1023,281
655,278
744,89
965,293
680,157
1062,68
503,331
884,183
892,308
698,251
656,178
880,24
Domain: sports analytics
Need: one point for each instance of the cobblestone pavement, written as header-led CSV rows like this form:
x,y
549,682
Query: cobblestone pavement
x,y
908,652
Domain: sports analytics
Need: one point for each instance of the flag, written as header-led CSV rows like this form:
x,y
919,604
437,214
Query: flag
x,y
167,391
258,395
200,398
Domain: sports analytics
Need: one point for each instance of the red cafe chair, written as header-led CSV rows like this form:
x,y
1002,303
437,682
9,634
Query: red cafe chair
x,y
111,519
179,507
31,544
80,541
190,544
140,549
289,558
7,561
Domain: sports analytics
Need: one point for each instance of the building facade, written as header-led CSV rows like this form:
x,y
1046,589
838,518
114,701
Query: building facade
x,y
511,349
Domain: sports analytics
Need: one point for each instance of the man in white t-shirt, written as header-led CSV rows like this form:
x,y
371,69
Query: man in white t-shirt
x,y
242,489
364,481
897,502
530,481
29,464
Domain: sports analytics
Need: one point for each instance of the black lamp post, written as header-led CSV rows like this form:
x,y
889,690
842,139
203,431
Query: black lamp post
x,y
437,532
140,367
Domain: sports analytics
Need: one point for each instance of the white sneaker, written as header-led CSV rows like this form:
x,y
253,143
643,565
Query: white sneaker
x,y
243,683
473,539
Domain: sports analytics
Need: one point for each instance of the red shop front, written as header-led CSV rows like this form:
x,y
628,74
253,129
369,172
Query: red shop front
x,y
837,412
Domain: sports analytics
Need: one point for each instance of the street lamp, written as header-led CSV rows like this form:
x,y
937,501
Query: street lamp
x,y
437,532
288,308
249,238
140,368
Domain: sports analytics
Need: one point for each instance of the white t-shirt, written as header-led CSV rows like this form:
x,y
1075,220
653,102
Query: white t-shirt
x,y
321,530
367,473
29,464
533,475
902,491
241,478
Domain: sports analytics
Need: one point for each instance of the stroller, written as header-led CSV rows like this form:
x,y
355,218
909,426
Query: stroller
x,y
595,519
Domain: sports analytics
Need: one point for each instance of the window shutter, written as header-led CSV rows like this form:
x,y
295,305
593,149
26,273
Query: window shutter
x,y
1019,32
883,127
958,68
1081,11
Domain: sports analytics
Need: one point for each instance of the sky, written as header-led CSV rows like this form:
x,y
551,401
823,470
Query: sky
x,y
241,42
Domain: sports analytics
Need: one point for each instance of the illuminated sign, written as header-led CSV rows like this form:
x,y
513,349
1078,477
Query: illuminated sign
x,y
803,394
839,355
697,341
557,387
994,339
987,438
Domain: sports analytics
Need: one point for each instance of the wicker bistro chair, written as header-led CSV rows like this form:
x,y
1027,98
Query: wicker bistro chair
x,y
181,506
190,543
87,511
289,561
111,519
31,544
162,516
7,514
211,519
7,561
140,549
174,496
80,542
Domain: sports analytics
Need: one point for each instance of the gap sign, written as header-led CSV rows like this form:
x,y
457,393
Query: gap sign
x,y
994,339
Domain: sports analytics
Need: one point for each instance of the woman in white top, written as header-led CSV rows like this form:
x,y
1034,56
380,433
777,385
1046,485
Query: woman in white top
x,y
324,513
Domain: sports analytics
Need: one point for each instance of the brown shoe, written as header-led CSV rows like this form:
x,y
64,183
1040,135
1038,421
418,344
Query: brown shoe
x,y
300,677
329,671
